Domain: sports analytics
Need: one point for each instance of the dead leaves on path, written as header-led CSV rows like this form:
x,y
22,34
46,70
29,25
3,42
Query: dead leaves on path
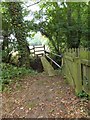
x,y
43,97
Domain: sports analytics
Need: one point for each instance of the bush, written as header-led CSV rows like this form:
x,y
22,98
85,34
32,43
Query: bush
x,y
9,72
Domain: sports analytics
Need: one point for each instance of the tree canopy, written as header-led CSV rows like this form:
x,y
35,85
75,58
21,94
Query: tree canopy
x,y
65,24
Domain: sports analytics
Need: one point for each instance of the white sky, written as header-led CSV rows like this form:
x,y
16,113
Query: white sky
x,y
34,8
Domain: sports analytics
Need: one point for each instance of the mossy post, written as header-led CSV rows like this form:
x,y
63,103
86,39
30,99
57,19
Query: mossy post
x,y
47,67
69,70
77,75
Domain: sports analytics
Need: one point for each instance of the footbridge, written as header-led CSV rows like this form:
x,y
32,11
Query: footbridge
x,y
45,56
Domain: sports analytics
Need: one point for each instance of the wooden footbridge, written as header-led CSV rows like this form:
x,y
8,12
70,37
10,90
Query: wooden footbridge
x,y
44,55
76,66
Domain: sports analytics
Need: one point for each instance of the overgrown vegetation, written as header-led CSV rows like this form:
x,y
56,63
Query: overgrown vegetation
x,y
83,94
9,72
65,24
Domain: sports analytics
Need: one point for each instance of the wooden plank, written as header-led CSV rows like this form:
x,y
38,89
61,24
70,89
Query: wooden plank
x,y
54,54
32,49
36,51
39,46
53,61
39,50
69,74
39,54
70,58
85,62
47,67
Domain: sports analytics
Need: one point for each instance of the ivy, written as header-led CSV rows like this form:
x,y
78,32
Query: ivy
x,y
9,72
83,94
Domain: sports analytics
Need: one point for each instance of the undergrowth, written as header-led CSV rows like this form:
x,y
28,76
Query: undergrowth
x,y
83,94
9,72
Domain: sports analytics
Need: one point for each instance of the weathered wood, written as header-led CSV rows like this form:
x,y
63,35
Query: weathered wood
x,y
36,51
53,61
47,67
38,46
85,62
77,63
39,51
54,54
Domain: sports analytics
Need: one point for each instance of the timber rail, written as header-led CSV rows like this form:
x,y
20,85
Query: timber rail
x,y
40,51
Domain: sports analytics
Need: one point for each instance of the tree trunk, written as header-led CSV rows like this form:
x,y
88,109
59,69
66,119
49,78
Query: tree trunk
x,y
79,25
88,45
5,49
23,50
15,11
69,24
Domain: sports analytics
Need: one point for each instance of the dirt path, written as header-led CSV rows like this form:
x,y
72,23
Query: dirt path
x,y
42,96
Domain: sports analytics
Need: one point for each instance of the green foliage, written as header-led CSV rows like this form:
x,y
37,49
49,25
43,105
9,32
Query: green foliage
x,y
65,24
82,94
9,72
13,24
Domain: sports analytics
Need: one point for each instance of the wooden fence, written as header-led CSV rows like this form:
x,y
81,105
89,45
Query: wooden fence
x,y
37,50
77,69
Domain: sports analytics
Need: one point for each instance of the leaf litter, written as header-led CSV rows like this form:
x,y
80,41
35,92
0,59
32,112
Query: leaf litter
x,y
42,96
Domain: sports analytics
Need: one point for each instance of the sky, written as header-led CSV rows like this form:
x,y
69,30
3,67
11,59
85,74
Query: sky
x,y
38,37
32,9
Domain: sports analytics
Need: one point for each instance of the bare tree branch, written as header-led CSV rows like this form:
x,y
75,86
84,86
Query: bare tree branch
x,y
34,3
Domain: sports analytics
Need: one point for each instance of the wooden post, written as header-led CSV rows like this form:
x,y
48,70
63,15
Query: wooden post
x,y
34,50
62,61
44,49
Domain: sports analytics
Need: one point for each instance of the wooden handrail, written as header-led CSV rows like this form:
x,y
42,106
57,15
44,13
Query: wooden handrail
x,y
53,61
39,51
54,54
39,47
35,50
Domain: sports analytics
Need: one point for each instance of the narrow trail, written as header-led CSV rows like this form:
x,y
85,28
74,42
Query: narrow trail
x,y
42,96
